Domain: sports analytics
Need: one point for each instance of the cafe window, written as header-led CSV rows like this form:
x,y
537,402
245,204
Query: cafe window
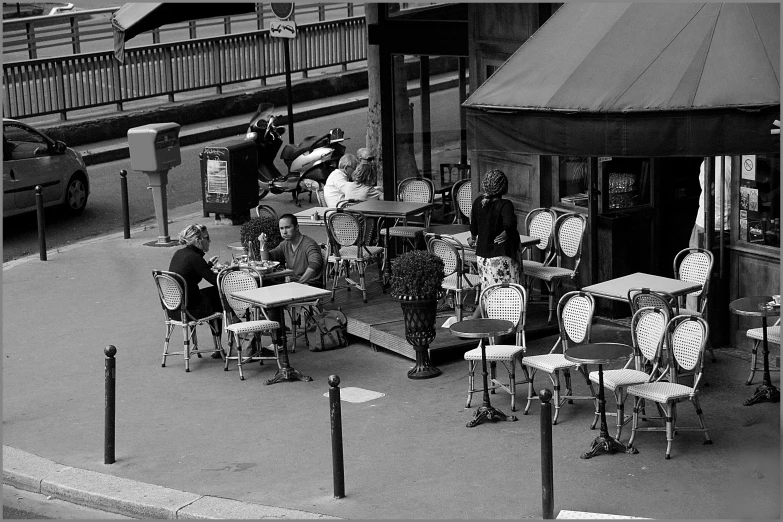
x,y
759,208
426,118
574,180
625,182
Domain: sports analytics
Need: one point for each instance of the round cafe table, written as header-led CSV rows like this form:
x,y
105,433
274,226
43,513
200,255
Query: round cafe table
x,y
479,329
757,306
600,354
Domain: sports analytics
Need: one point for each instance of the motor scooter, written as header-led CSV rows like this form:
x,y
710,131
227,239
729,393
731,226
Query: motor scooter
x,y
308,164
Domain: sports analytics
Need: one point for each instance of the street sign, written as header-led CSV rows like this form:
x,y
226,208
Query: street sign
x,y
283,10
282,29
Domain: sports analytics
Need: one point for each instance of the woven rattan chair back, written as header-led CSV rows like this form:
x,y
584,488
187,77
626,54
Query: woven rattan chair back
x,y
540,223
463,200
575,316
319,195
507,301
416,190
687,338
236,279
648,329
569,230
449,250
343,228
266,211
348,203
694,265
172,290
645,298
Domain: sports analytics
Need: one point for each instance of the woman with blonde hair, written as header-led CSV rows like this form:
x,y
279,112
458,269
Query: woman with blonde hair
x,y
190,264
362,185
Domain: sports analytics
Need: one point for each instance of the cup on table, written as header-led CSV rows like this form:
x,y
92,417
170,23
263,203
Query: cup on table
x,y
776,298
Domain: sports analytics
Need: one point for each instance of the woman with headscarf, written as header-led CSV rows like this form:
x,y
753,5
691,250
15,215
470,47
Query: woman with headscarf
x,y
493,232
190,264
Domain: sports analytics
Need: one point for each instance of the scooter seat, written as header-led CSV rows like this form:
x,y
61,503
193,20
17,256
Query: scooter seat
x,y
290,152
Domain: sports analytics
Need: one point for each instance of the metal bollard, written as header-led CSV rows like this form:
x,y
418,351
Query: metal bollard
x,y
338,471
108,439
125,206
41,223
547,479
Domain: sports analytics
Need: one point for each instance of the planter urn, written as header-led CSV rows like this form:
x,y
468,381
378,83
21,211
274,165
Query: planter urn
x,y
419,314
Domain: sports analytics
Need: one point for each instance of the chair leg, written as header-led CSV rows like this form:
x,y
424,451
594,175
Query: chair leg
x,y
530,391
669,408
360,266
338,269
492,376
569,390
702,423
634,420
169,330
619,397
239,359
550,287
512,384
231,338
186,345
458,304
556,394
753,361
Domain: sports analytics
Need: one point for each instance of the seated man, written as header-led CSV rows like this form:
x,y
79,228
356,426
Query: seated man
x,y
335,184
300,253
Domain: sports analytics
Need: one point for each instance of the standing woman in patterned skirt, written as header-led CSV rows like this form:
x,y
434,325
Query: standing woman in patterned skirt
x,y
494,234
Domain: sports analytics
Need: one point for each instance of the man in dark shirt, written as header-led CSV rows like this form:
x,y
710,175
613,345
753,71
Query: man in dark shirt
x,y
299,252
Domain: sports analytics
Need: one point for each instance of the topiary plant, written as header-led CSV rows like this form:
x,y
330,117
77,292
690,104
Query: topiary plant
x,y
250,230
417,274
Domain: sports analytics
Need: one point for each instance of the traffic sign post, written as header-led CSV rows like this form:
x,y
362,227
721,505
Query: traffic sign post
x,y
284,28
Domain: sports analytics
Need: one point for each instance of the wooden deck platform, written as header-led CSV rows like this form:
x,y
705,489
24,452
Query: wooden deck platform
x,y
380,322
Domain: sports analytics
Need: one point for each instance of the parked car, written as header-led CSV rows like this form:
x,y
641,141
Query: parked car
x,y
32,158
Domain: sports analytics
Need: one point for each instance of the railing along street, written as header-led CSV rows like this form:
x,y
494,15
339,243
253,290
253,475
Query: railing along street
x,y
68,83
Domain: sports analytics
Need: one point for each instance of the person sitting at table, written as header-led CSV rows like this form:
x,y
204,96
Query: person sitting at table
x,y
189,263
299,252
494,234
335,183
362,187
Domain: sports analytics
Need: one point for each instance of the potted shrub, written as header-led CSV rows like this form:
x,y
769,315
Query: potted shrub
x,y
417,282
250,230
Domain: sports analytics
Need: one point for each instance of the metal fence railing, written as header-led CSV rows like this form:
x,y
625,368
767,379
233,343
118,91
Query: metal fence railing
x,y
67,83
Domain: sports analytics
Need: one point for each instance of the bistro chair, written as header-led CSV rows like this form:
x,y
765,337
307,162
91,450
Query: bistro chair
x,y
569,231
695,265
575,317
319,195
687,338
173,293
411,190
238,317
757,334
347,231
648,329
266,211
457,279
462,170
462,193
501,301
540,223
645,298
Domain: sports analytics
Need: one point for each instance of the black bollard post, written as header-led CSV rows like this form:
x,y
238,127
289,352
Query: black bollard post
x,y
125,206
547,479
41,224
337,437
108,439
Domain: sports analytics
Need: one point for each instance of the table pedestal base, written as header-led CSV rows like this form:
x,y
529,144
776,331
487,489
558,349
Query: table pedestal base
x,y
765,392
288,374
608,444
488,413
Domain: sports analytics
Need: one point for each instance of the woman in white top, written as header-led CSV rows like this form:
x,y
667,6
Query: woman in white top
x,y
334,188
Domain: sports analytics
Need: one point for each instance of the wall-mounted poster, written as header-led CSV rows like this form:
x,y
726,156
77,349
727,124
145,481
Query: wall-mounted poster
x,y
749,167
744,198
753,200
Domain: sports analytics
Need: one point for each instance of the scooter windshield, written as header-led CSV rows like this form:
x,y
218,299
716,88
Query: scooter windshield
x,y
263,113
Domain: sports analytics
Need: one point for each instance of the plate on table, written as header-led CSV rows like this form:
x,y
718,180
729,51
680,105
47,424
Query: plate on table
x,y
267,266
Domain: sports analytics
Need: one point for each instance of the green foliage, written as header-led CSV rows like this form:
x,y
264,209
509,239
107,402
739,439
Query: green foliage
x,y
250,231
417,274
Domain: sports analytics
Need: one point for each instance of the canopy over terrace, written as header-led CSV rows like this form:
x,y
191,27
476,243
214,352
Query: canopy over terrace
x,y
133,19
643,80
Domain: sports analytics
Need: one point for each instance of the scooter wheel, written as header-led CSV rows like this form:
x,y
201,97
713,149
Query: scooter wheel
x,y
262,193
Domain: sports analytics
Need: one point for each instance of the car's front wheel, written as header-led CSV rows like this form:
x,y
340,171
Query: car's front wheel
x,y
76,194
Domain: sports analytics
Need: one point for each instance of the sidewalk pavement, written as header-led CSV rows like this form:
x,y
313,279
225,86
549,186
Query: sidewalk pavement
x,y
206,445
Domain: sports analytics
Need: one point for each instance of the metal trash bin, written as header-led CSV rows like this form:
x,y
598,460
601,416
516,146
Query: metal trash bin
x,y
229,181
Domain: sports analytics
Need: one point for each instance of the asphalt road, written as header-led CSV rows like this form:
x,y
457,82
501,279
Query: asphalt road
x,y
103,214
